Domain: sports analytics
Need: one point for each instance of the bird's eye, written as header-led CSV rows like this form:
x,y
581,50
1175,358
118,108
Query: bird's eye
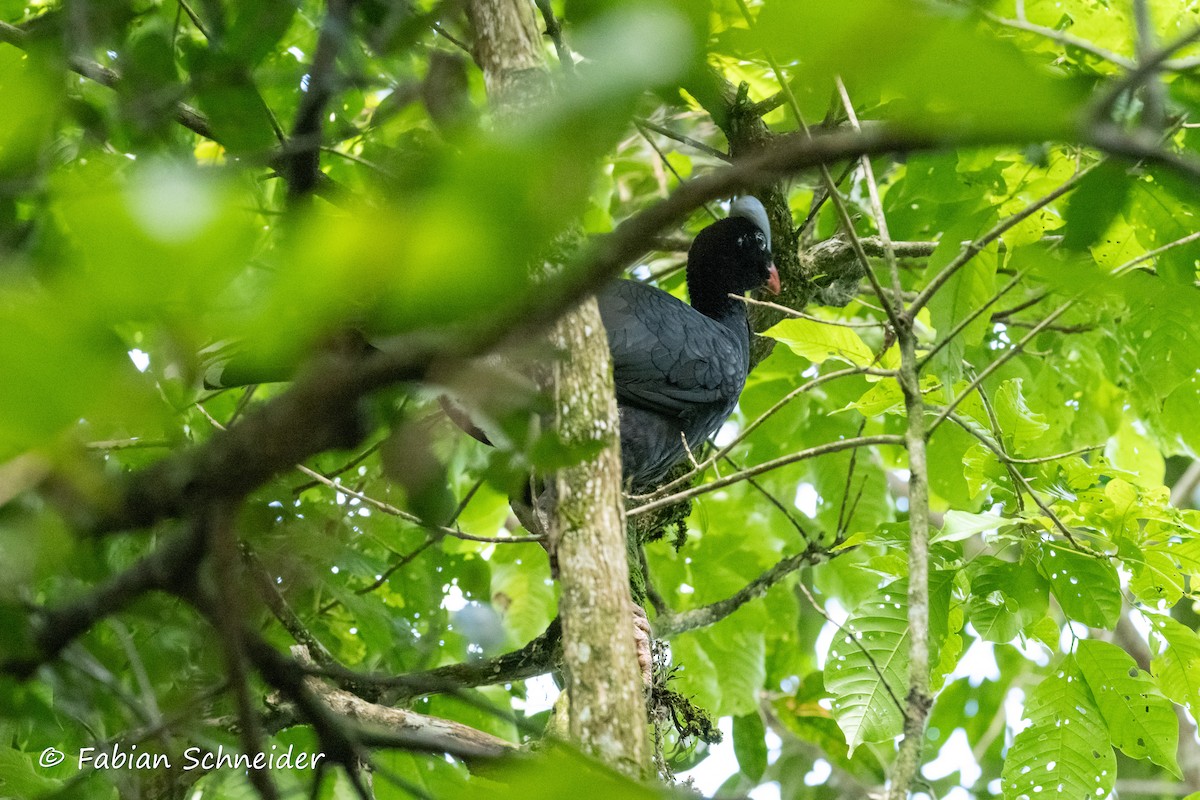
x,y
762,241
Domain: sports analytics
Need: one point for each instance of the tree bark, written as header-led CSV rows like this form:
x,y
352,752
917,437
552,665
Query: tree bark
x,y
587,519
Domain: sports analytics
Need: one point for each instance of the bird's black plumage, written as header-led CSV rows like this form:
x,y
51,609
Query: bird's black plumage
x,y
679,368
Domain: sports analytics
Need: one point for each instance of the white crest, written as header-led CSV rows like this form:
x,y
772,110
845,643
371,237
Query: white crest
x,y
750,208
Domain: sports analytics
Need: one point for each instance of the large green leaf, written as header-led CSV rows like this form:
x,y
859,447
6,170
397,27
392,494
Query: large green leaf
x,y
960,525
1022,426
1140,720
818,342
866,669
1176,660
1065,752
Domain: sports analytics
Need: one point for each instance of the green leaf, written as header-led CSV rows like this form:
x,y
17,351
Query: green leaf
x,y
750,745
804,718
522,592
1065,751
1005,598
1157,578
1140,720
737,653
891,49
1021,425
1088,588
960,525
866,669
32,98
551,774
1175,660
19,778
818,342
1136,453
1094,203
258,27
968,290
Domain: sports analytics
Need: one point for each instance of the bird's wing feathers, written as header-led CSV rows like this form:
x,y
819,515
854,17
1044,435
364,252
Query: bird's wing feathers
x,y
668,357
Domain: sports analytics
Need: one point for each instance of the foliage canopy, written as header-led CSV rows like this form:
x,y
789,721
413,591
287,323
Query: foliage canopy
x,y
287,178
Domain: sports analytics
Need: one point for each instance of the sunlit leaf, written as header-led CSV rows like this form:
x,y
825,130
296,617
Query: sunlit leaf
x,y
1065,751
1140,720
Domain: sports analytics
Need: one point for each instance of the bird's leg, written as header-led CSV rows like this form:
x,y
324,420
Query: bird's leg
x,y
687,449
643,637
532,510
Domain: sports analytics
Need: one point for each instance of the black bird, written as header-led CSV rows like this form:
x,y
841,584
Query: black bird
x,y
679,369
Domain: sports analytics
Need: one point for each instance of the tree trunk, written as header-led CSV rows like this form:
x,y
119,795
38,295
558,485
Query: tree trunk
x,y
587,519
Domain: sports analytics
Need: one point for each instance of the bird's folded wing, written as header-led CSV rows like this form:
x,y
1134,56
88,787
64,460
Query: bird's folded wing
x,y
668,357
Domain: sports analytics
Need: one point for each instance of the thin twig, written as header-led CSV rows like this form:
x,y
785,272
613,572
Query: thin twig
x,y
1064,39
566,58
675,624
1057,456
843,520
970,250
889,251
974,315
830,186
349,465
662,157
1143,71
387,508
682,138
454,40
218,520
999,362
302,156
1154,101
766,466
775,501
1158,251
963,423
763,417
791,312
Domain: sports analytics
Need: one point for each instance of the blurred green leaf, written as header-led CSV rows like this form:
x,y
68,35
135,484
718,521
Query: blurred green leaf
x,y
749,745
1098,198
911,55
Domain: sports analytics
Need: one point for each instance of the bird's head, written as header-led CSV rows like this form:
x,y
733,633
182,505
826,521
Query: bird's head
x,y
732,256
749,208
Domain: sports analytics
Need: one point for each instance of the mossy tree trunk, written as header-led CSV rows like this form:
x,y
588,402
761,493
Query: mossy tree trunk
x,y
587,518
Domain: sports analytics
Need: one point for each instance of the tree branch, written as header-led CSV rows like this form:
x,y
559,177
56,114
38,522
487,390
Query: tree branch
x,y
302,157
385,726
168,565
671,625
